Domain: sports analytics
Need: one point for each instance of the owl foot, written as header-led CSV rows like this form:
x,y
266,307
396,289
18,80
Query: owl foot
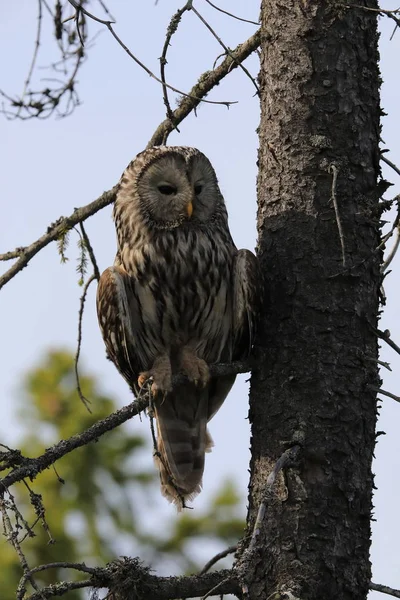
x,y
160,375
195,368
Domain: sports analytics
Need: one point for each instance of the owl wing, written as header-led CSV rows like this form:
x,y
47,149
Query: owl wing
x,y
119,316
246,293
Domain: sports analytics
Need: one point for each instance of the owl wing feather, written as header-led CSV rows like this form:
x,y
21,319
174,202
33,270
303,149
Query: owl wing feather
x,y
246,293
117,311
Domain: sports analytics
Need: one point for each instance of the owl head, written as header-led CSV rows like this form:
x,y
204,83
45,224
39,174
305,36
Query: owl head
x,y
170,186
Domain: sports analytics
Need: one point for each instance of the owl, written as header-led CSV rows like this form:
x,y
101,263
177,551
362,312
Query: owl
x,y
179,297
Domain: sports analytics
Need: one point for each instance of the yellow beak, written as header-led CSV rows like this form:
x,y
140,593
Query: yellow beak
x,y
189,209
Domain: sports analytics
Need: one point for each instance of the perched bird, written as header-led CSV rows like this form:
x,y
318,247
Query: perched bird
x,y
179,297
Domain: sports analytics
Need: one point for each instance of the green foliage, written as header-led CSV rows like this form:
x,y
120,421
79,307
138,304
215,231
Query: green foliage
x,y
95,498
62,244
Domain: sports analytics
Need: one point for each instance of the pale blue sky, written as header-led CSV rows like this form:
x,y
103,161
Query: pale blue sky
x,y
50,167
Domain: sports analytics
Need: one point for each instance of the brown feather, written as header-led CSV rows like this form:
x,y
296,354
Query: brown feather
x,y
179,292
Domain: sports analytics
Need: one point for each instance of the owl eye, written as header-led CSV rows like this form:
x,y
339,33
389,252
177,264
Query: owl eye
x,y
167,190
197,189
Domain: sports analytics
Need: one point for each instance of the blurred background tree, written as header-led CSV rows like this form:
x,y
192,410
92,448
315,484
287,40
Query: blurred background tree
x,y
103,500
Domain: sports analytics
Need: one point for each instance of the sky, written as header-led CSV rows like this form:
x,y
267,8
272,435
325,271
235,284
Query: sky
x,y
50,167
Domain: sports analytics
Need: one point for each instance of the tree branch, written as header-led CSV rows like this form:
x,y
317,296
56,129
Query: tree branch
x,y
204,85
54,231
377,587
217,557
128,579
25,467
109,24
206,82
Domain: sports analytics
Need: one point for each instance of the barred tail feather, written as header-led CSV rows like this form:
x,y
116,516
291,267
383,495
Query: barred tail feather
x,y
182,440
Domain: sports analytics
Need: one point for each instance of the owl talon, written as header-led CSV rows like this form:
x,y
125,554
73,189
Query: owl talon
x,y
144,378
195,368
160,375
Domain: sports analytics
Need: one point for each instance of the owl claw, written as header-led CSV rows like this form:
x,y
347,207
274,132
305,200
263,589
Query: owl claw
x,y
160,374
195,368
144,378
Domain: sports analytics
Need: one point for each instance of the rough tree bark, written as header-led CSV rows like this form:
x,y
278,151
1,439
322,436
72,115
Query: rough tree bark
x,y
319,135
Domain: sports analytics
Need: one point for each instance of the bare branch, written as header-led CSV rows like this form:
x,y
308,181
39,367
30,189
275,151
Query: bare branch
x,y
30,467
130,579
385,336
35,52
110,28
216,558
388,13
171,29
88,245
392,253
205,83
11,535
84,400
53,232
227,50
60,99
379,390
389,162
377,587
231,15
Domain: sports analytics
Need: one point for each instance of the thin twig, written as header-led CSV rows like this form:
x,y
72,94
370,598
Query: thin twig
x,y
389,162
227,50
217,557
389,13
55,565
334,170
104,7
382,243
110,28
171,29
385,336
38,507
90,250
12,537
379,390
231,15
206,82
385,589
35,53
379,362
59,589
217,587
81,395
392,253
42,104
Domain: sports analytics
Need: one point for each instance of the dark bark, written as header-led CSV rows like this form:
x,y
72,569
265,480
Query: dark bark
x,y
320,109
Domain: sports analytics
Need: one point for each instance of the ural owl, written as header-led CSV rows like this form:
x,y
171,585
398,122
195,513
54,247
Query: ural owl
x,y
179,297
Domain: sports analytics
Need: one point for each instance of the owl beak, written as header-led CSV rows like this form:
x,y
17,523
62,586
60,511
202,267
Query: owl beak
x,y
189,209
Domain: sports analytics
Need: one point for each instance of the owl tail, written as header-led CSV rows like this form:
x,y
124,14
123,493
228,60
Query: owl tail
x,y
182,440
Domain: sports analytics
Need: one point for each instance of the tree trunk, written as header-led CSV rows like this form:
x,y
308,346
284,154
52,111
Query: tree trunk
x,y
317,348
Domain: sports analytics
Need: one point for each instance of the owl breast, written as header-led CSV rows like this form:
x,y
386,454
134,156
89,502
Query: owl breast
x,y
182,282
